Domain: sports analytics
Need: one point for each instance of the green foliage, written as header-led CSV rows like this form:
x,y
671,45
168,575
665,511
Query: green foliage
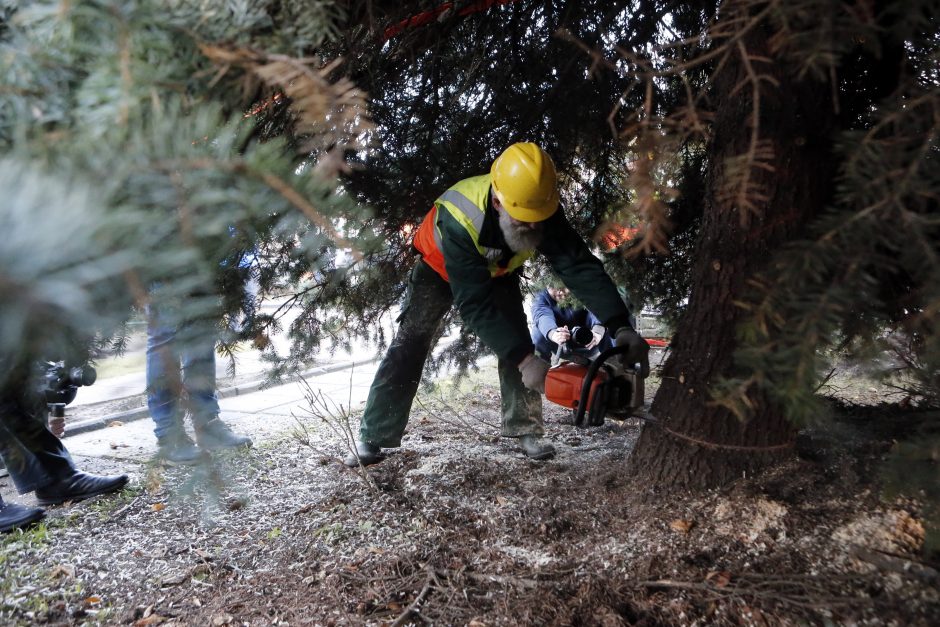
x,y
133,164
55,276
195,145
447,97
663,280
214,133
862,281
869,264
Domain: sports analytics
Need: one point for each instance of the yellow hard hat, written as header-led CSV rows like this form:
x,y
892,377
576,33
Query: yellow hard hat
x,y
525,182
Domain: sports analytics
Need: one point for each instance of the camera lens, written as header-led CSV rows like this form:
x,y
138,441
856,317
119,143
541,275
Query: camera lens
x,y
581,336
79,376
89,375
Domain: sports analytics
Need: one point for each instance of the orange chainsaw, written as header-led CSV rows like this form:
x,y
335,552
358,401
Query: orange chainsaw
x,y
592,388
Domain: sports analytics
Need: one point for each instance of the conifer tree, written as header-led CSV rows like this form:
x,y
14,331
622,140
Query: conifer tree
x,y
743,119
783,152
818,227
138,149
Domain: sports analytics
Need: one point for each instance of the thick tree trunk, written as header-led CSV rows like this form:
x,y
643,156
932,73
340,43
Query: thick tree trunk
x,y
695,443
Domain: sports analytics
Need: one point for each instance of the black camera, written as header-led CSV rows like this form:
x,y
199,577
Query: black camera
x,y
58,386
581,336
59,383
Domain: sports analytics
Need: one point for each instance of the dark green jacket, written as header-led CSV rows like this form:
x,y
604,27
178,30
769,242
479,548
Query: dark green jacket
x,y
471,283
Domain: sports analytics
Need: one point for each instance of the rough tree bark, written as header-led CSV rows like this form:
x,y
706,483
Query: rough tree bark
x,y
697,444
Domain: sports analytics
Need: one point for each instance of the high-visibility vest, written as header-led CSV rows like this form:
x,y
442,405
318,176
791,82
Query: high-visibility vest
x,y
467,202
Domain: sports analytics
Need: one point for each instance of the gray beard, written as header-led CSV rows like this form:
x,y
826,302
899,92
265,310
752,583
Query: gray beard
x,y
518,238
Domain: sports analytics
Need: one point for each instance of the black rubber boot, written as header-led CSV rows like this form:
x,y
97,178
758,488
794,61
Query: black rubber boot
x,y
536,447
78,486
366,454
15,516
215,435
177,448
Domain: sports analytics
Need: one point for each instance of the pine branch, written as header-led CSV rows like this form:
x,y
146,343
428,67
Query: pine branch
x,y
331,114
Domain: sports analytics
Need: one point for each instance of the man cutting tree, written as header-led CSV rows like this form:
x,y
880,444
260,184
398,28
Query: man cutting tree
x,y
473,244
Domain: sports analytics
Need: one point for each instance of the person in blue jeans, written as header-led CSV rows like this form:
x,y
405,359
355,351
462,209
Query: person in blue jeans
x,y
553,323
181,377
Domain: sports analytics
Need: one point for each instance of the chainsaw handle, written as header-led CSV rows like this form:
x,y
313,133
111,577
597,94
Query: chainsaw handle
x,y
589,379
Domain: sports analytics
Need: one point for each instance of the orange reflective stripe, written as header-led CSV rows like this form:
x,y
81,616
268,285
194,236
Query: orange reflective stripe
x,y
466,202
428,243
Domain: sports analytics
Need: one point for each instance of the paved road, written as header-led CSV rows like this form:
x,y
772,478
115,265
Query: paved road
x,y
249,366
261,414
266,414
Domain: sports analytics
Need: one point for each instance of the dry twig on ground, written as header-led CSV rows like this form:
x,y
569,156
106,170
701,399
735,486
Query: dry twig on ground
x,y
338,420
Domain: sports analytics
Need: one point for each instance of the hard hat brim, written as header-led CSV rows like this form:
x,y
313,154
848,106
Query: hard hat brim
x,y
527,214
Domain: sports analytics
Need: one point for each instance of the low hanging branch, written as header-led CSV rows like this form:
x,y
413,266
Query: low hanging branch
x,y
742,189
295,198
276,183
656,136
332,116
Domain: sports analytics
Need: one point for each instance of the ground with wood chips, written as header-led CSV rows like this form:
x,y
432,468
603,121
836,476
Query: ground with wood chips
x,y
458,528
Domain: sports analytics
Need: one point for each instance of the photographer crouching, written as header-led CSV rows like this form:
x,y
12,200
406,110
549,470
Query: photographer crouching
x,y
559,330
36,459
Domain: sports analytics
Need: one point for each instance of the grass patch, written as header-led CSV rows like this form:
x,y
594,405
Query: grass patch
x,y
14,547
33,538
105,507
118,365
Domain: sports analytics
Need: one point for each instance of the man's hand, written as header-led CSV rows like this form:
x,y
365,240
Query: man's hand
x,y
57,426
598,332
533,372
559,335
638,353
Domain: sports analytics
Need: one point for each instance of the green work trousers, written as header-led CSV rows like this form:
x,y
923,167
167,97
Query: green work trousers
x,y
427,301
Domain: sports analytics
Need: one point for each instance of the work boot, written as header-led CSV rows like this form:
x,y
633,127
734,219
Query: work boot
x,y
536,447
215,435
14,516
177,448
366,454
78,486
